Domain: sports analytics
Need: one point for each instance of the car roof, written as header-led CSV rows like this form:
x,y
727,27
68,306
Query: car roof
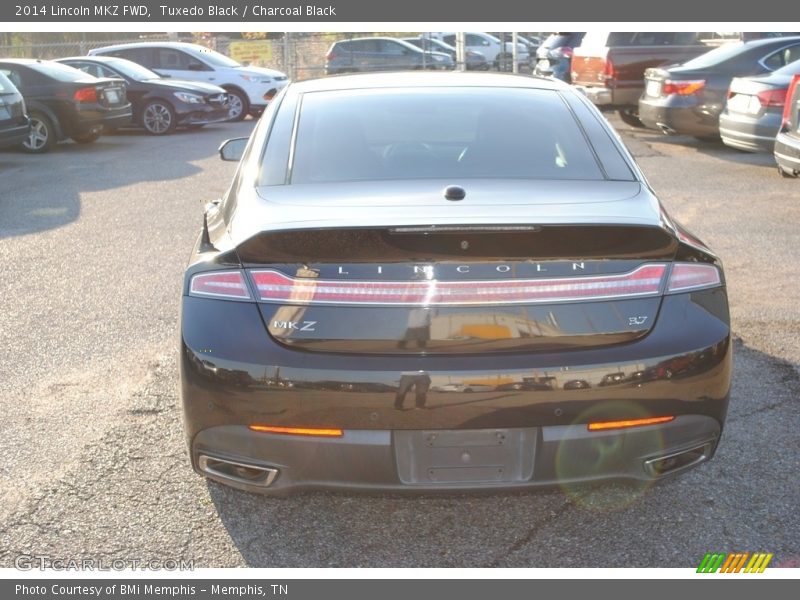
x,y
426,79
770,41
24,61
176,45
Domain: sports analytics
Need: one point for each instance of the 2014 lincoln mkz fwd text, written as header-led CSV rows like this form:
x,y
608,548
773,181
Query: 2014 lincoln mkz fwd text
x,y
446,282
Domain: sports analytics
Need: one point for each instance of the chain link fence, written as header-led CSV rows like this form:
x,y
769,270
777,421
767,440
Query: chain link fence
x,y
300,55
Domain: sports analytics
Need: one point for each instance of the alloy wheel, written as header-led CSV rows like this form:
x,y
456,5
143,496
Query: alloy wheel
x,y
157,118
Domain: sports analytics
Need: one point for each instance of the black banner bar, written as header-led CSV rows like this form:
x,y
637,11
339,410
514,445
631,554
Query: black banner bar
x,y
321,11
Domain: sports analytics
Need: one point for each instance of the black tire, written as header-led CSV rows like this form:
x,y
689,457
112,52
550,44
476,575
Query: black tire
x,y
630,116
87,138
42,137
238,105
158,118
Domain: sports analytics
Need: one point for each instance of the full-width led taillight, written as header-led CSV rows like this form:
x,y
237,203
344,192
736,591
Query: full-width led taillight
x,y
87,94
273,286
683,88
220,284
693,276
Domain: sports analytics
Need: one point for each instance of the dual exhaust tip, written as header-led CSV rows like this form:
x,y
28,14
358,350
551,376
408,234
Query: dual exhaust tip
x,y
237,472
677,461
666,129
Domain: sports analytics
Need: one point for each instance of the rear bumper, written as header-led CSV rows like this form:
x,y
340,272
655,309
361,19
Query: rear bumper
x,y
234,375
681,116
611,98
381,460
95,120
753,134
787,152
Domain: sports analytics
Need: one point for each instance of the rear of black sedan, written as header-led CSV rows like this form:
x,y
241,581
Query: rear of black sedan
x,y
688,99
391,242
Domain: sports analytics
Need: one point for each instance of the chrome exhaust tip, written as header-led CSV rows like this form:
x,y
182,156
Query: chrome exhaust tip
x,y
678,461
237,472
666,129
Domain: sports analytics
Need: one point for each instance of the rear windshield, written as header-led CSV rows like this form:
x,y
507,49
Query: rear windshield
x,y
716,56
363,135
58,71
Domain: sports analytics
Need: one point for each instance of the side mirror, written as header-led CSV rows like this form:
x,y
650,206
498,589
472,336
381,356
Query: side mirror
x,y
233,149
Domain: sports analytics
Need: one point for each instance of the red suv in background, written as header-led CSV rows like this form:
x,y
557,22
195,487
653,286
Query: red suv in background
x,y
610,67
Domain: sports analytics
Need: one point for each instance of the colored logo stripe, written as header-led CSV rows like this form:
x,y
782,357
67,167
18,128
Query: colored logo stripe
x,y
734,562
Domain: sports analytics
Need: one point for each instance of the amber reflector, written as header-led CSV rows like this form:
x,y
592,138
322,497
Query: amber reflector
x,y
628,423
298,430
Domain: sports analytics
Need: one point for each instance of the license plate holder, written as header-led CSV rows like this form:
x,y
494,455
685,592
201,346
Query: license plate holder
x,y
112,96
465,456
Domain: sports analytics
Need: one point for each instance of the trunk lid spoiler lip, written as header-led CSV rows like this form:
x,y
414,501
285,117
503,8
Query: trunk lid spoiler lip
x,y
258,212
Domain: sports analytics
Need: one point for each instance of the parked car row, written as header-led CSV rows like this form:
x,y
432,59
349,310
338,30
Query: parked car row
x,y
43,102
436,50
741,91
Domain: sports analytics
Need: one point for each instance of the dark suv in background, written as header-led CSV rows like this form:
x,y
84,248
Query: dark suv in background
x,y
14,123
610,66
554,55
381,54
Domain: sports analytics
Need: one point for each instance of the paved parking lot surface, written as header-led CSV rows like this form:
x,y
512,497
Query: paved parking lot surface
x,y
93,241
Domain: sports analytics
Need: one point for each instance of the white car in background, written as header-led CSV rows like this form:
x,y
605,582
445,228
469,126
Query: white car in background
x,y
496,52
249,88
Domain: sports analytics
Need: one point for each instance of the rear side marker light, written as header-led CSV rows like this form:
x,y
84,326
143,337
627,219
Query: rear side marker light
x,y
297,431
693,276
605,425
220,284
273,286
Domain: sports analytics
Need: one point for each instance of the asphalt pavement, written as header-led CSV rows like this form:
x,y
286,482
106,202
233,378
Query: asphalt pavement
x,y
93,241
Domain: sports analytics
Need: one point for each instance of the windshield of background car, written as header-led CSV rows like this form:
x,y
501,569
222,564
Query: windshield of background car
x,y
363,135
59,72
133,70
215,59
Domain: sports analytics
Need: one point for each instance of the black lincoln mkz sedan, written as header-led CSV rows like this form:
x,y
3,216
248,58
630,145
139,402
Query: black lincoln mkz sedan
x,y
389,241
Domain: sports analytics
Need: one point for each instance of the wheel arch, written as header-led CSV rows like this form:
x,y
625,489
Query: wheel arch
x,y
36,106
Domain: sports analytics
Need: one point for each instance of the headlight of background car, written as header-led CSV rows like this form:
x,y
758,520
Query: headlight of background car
x,y
438,58
189,98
